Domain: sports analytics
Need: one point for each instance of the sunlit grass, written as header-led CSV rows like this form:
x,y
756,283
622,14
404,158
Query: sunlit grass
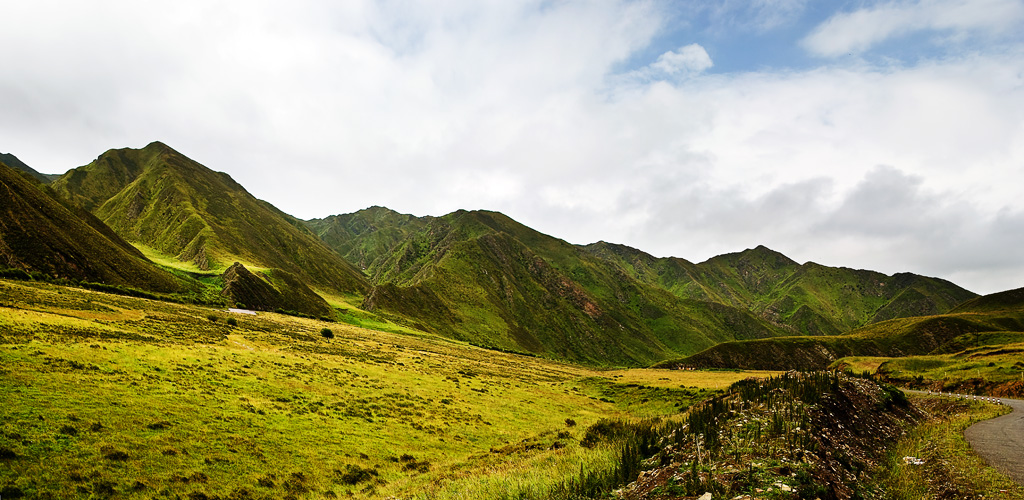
x,y
163,259
144,398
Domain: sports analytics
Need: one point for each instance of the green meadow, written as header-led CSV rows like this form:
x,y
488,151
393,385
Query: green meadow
x,y
105,395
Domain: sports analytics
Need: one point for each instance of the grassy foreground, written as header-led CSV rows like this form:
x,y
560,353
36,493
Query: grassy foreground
x,y
950,469
107,395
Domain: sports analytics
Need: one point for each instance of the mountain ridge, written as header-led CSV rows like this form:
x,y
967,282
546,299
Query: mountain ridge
x,y
39,233
487,279
478,275
805,298
157,197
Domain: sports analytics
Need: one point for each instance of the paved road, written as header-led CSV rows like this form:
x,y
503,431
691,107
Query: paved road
x,y
1000,441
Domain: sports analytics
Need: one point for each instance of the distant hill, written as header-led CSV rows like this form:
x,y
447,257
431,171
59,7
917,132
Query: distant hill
x,y
40,234
367,235
161,199
13,162
485,278
805,299
278,291
1009,300
969,325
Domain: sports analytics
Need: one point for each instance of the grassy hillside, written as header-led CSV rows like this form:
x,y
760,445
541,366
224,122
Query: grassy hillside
x,y
176,207
38,234
367,235
807,299
482,277
107,395
992,320
279,291
986,359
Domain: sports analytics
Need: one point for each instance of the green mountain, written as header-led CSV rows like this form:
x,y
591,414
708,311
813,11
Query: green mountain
x,y
40,234
367,235
159,199
482,277
13,162
806,299
989,320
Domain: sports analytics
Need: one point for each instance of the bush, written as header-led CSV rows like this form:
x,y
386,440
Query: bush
x,y
212,317
354,474
602,431
232,322
327,333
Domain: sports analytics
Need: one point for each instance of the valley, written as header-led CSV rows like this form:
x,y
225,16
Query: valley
x,y
462,356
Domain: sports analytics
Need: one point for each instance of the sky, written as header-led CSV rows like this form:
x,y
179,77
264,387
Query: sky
x,y
882,135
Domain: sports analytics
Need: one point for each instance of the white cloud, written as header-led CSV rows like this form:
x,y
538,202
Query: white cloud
x,y
685,61
324,108
857,31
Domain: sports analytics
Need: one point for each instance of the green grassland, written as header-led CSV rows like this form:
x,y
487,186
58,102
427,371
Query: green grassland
x,y
110,395
993,367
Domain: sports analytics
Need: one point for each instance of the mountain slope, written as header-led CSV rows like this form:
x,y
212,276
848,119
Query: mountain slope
x,y
367,235
483,277
13,162
159,198
807,299
40,234
280,291
981,321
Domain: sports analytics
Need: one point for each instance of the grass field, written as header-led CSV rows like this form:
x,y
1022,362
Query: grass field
x,y
995,369
108,395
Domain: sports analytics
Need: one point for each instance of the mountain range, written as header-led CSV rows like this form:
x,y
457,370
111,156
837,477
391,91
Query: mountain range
x,y
474,276
993,319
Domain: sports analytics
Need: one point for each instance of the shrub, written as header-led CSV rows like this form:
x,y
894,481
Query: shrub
x,y
327,333
354,474
602,431
570,422
232,322
212,317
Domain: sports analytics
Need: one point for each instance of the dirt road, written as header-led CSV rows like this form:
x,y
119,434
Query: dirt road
x,y
1000,441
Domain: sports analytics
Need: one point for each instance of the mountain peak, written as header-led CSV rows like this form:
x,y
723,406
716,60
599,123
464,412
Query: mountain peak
x,y
759,256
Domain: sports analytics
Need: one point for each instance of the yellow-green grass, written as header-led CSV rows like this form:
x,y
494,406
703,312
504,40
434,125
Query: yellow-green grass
x,y
951,469
982,366
219,261
170,261
698,379
108,393
347,310
859,364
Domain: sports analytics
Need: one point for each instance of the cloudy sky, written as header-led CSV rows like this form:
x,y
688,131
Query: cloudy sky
x,y
885,135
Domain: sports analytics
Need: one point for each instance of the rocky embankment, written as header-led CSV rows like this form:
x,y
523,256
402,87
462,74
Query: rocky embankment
x,y
812,435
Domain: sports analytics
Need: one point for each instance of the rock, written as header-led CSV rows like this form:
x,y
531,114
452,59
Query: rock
x,y
705,496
